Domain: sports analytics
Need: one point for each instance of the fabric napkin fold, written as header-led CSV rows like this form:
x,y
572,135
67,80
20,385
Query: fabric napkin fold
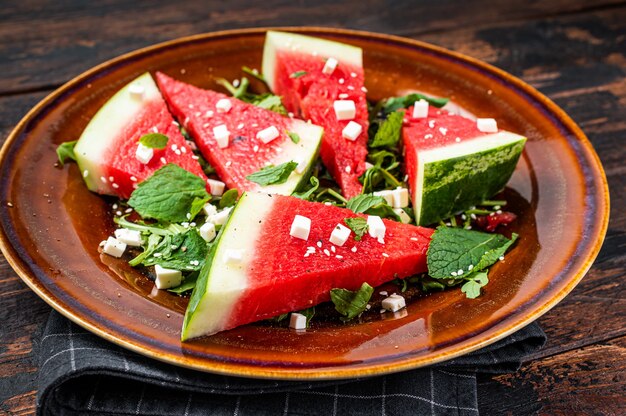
x,y
82,374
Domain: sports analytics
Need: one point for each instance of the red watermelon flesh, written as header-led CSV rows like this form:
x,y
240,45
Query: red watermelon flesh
x,y
277,276
311,97
106,150
196,109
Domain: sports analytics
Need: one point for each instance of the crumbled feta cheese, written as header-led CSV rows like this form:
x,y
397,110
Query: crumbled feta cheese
x,y
301,164
167,278
344,109
129,237
114,247
394,303
400,197
297,321
352,130
221,217
329,66
144,154
217,187
404,217
487,125
209,209
223,105
221,135
233,256
300,227
340,235
268,134
207,231
387,195
137,91
376,226
420,109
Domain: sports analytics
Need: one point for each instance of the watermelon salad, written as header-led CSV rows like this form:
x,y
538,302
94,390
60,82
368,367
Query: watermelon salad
x,y
263,205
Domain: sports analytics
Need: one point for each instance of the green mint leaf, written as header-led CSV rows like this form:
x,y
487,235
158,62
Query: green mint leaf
x,y
169,195
432,285
153,243
395,103
388,133
298,74
237,92
309,313
472,287
358,225
273,175
373,205
185,251
188,283
269,102
456,249
254,73
351,304
306,195
280,317
154,140
65,152
294,137
229,198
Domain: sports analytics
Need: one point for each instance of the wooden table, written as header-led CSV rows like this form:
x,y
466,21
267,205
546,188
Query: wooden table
x,y
573,51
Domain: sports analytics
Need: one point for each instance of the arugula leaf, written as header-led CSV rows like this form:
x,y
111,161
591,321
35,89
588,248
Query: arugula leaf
x,y
351,304
254,73
472,287
298,74
65,152
185,251
273,175
229,198
430,285
388,133
358,225
395,103
373,205
306,195
154,140
456,249
293,136
189,282
169,195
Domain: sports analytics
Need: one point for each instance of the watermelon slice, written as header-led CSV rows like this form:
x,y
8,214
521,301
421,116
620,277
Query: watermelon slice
x,y
453,165
297,68
201,111
257,270
106,150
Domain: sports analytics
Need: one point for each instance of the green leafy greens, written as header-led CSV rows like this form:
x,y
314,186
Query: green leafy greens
x,y
273,175
65,152
229,198
358,225
395,103
350,303
472,287
266,100
298,74
294,137
388,134
183,251
373,205
154,140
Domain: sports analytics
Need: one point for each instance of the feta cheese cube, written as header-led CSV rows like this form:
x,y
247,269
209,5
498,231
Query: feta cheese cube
x,y
137,91
394,303
221,135
167,278
129,237
352,130
114,247
223,105
344,109
233,256
209,209
487,125
217,187
301,164
144,154
207,231
221,217
297,321
300,227
268,134
376,227
340,235
404,217
420,109
387,195
329,66
400,197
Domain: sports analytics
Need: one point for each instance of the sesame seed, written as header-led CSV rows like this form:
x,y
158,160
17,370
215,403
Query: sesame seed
x,y
188,215
332,248
154,129
460,272
327,252
85,173
364,89
501,258
339,256
114,206
307,254
431,124
183,149
353,249
128,210
470,267
385,255
209,113
227,164
183,71
174,146
163,160
115,186
473,216
205,125
413,239
194,157
353,74
453,273
236,83
178,153
103,179
458,139
132,178
498,212
198,113
406,178
111,178
350,87
428,136
240,126
118,213
319,244
343,96
348,169
341,80
383,293
255,148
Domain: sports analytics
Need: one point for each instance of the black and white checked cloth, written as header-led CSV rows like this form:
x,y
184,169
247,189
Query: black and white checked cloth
x,y
81,374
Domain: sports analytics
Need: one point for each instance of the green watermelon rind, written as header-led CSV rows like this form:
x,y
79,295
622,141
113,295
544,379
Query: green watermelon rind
x,y
454,180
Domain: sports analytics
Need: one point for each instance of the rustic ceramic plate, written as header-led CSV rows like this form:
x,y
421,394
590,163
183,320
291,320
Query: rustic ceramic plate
x,y
51,224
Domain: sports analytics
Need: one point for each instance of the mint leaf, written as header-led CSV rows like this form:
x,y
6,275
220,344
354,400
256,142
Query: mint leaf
x,y
351,304
373,205
65,152
154,140
153,243
395,103
269,102
189,282
169,195
306,195
456,249
358,225
388,133
185,251
298,74
229,198
294,137
309,313
472,287
273,175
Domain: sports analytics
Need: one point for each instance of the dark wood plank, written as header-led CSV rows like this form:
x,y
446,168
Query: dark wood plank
x,y
70,38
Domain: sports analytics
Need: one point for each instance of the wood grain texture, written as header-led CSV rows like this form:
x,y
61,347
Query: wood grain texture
x,y
573,51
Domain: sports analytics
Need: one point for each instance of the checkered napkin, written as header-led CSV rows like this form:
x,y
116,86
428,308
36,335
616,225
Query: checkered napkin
x,y
81,374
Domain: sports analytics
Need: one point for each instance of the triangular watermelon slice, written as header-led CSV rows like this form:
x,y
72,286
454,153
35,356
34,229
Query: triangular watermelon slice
x,y
257,269
106,150
452,164
302,70
243,151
